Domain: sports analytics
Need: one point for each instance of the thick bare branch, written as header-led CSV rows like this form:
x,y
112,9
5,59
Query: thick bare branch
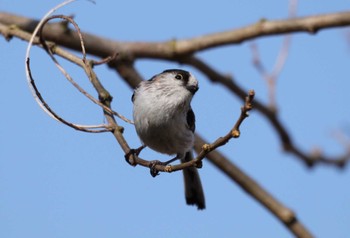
x,y
102,47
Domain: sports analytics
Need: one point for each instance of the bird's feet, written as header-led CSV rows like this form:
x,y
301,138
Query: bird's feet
x,y
133,152
154,172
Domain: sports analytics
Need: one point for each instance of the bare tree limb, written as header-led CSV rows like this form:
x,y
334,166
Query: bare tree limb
x,y
102,47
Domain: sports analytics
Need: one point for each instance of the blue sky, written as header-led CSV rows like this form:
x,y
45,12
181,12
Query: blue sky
x,y
57,182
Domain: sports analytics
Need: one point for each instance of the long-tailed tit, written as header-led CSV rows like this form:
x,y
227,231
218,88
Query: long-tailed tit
x,y
165,122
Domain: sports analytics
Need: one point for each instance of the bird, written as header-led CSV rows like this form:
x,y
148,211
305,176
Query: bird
x,y
165,122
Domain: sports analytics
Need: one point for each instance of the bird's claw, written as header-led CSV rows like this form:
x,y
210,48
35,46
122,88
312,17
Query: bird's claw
x,y
154,172
133,152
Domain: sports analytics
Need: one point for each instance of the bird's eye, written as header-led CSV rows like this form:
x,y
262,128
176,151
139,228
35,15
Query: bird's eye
x,y
179,77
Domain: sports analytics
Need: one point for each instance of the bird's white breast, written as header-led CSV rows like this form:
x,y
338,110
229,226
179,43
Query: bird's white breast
x,y
160,118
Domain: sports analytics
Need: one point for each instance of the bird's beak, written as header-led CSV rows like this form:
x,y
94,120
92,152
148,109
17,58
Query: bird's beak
x,y
192,88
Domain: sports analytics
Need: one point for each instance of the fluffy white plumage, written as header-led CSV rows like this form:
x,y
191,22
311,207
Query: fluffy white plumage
x,y
160,112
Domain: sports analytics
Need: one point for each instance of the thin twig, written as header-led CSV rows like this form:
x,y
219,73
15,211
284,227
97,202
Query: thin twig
x,y
106,60
272,76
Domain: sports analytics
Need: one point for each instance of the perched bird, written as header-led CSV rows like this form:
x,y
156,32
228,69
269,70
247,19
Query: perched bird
x,y
165,122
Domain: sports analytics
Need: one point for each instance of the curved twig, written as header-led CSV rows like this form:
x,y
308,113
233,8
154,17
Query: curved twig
x,y
46,107
35,92
83,64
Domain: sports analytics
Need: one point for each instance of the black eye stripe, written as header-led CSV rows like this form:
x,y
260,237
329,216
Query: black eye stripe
x,y
186,78
185,75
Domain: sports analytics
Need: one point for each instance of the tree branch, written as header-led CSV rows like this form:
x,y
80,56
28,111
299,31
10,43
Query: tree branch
x,y
102,47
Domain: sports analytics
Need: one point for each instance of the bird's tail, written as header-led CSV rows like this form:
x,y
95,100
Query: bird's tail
x,y
193,186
